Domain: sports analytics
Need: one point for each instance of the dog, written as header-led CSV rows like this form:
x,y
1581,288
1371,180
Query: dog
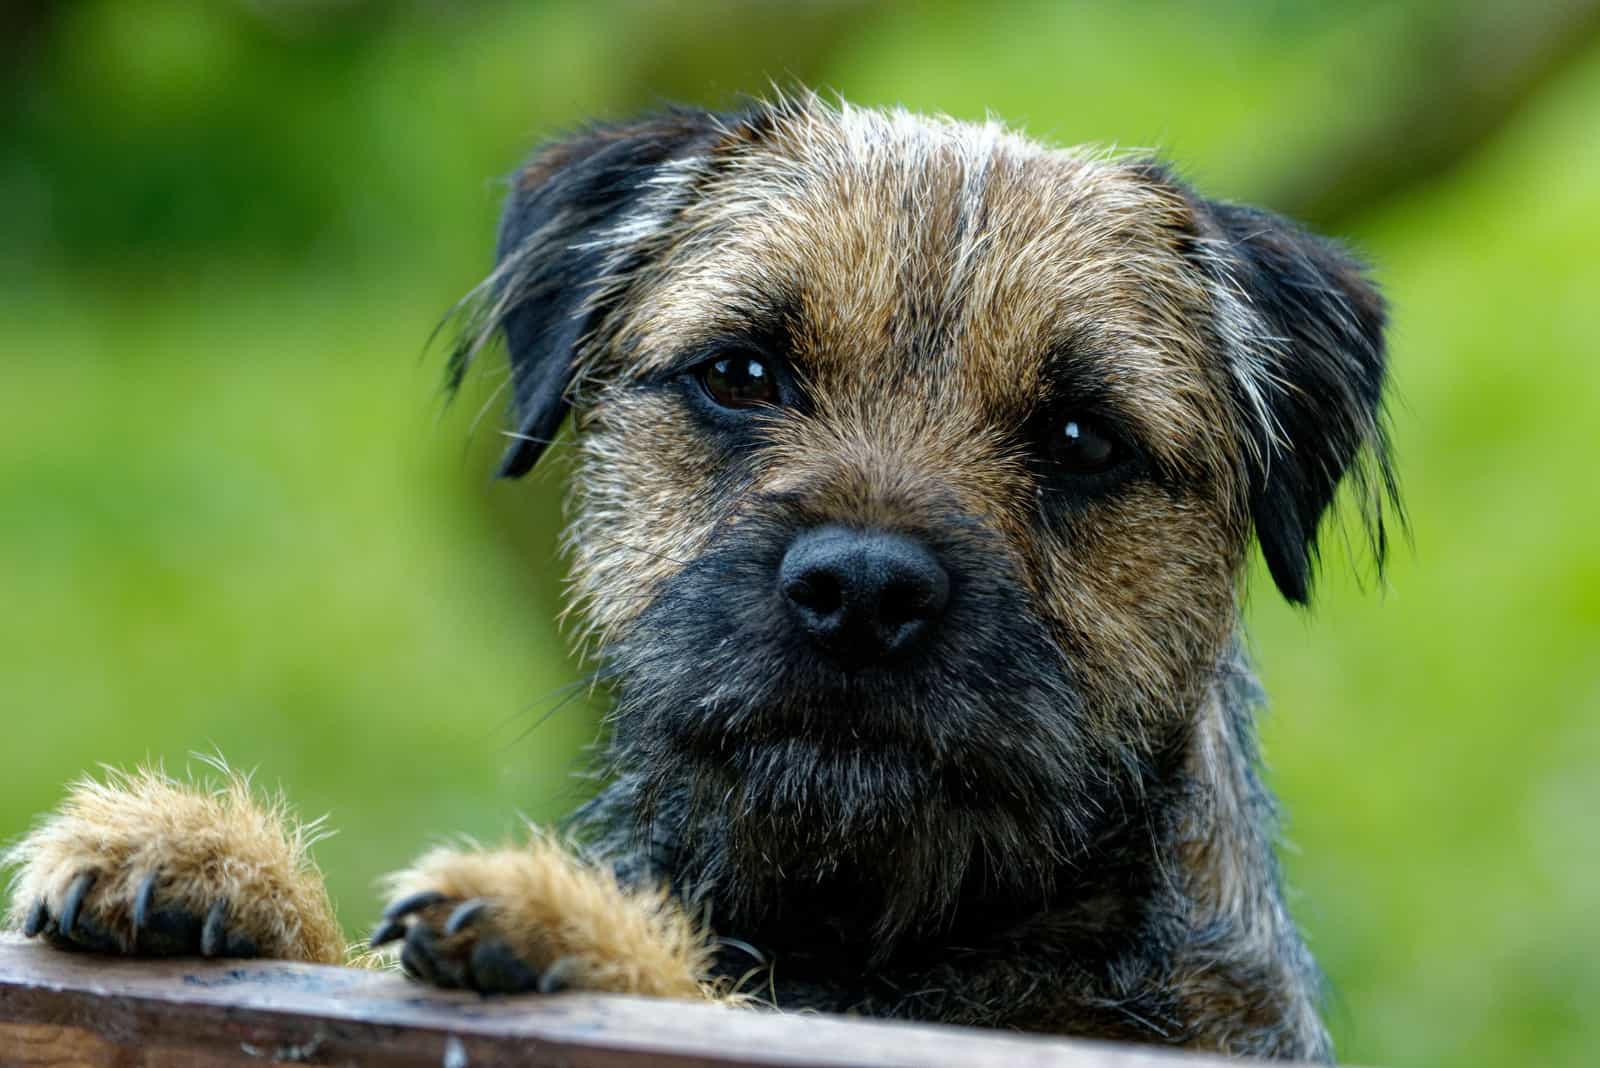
x,y
917,468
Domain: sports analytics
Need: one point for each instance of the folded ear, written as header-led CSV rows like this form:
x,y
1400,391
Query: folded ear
x,y
1304,329
578,218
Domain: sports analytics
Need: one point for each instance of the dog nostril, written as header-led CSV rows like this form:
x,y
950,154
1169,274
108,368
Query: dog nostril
x,y
816,591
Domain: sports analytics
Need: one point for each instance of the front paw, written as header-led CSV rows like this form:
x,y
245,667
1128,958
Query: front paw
x,y
539,919
142,865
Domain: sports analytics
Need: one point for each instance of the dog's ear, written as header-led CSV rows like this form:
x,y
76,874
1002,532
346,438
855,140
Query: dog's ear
x,y
579,215
1304,332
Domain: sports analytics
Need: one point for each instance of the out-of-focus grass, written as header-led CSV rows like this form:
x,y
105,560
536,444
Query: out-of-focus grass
x,y
235,521
1439,746
232,517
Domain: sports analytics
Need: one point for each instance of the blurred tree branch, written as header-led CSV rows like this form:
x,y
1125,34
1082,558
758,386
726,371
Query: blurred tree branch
x,y
1471,68
751,47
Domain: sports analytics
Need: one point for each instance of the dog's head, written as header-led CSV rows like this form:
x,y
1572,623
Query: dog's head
x,y
918,468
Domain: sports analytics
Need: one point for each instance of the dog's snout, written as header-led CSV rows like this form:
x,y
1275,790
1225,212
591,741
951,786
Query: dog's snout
x,y
863,596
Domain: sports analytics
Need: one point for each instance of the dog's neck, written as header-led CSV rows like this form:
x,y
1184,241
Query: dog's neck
x,y
1225,909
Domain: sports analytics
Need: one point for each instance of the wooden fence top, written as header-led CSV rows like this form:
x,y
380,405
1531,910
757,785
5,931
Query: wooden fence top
x,y
62,1009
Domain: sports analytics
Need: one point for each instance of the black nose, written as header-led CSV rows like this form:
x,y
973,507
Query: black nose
x,y
863,596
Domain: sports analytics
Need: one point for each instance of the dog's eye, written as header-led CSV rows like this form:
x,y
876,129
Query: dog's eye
x,y
740,381
1081,447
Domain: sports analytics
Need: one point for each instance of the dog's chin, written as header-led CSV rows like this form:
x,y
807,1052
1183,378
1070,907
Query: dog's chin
x,y
860,757
888,792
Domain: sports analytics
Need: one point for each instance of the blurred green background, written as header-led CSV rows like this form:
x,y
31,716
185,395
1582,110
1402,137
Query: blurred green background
x,y
234,514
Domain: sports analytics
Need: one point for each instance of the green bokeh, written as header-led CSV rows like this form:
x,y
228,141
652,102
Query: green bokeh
x,y
234,515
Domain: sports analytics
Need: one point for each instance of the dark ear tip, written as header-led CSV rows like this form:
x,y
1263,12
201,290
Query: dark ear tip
x,y
519,459
1293,578
534,434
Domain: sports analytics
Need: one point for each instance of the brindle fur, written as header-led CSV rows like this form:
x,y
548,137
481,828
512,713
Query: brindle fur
x,y
1053,820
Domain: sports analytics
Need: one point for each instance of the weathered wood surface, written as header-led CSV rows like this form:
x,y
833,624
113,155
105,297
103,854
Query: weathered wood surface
x,y
62,1009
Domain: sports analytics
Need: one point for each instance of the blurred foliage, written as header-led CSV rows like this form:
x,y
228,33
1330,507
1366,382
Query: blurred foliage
x,y
235,515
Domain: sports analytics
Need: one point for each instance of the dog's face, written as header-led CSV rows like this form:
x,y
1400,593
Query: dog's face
x,y
918,468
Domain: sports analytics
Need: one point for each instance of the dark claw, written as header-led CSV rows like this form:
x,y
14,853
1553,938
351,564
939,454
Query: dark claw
x,y
415,903
558,976
141,906
464,914
76,928
74,902
214,935
38,916
387,932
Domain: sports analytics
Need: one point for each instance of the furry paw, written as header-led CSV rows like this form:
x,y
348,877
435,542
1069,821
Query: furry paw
x,y
143,865
539,919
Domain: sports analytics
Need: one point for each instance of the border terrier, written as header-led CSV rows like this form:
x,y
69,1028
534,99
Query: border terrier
x,y
918,465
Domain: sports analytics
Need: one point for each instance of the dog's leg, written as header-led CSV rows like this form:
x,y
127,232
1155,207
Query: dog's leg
x,y
537,917
146,866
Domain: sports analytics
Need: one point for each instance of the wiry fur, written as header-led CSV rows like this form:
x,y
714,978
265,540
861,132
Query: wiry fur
x,y
1053,819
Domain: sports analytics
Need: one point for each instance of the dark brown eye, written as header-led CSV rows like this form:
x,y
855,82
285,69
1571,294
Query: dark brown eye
x,y
740,381
1081,447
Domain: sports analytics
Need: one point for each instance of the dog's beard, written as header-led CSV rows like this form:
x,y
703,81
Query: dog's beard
x,y
780,778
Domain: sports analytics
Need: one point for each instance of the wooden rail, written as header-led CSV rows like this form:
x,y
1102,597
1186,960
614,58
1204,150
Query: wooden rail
x,y
61,1009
